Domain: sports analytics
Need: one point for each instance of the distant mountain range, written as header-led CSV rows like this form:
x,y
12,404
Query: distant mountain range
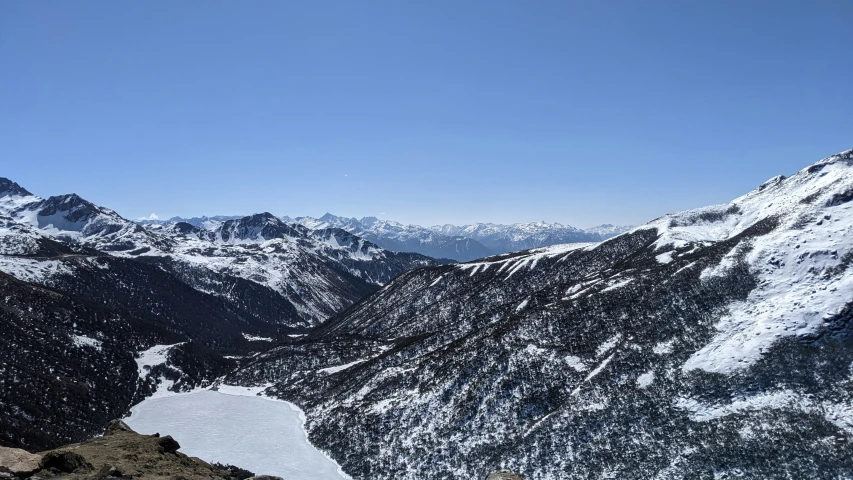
x,y
460,243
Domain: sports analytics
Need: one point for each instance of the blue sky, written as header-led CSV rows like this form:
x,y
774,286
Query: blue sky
x,y
420,111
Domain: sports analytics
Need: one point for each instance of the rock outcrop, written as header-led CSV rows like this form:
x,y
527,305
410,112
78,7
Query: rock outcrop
x,y
503,476
15,462
120,453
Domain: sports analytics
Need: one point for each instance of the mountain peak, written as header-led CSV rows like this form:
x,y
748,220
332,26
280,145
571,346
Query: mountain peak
x,y
8,188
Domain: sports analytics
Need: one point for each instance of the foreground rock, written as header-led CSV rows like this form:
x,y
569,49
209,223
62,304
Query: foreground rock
x,y
120,453
17,462
503,476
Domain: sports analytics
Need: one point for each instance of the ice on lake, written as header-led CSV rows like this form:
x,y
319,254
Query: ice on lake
x,y
261,435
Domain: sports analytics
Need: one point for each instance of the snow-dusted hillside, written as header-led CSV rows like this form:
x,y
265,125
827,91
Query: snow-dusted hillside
x,y
712,343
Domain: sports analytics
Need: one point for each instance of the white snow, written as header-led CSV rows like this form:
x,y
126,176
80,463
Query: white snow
x,y
84,341
528,259
338,368
645,379
608,345
839,414
262,435
576,363
593,373
663,348
32,270
156,355
253,338
801,278
664,257
617,284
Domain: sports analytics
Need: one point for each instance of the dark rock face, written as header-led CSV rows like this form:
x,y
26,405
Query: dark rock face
x,y
9,188
168,444
65,462
263,226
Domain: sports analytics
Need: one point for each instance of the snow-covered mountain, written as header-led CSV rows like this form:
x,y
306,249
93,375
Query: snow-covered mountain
x,y
398,237
319,272
463,243
523,236
87,290
201,222
711,343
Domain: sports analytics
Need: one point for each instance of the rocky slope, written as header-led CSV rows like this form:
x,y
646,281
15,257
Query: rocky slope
x,y
711,343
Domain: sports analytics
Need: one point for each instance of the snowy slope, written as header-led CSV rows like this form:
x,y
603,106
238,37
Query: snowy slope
x,y
714,343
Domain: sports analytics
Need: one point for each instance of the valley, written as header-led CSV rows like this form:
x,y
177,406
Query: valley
x,y
704,342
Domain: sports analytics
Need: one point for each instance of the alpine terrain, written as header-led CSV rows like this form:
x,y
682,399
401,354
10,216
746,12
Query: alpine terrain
x,y
710,343
86,291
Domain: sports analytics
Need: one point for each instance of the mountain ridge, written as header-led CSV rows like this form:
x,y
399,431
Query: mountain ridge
x,y
701,343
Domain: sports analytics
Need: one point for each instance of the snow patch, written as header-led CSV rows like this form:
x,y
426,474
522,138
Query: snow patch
x,y
608,345
338,368
84,341
663,348
156,355
646,379
253,338
576,363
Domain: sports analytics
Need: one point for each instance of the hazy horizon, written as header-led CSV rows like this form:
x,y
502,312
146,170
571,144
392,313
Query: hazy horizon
x,y
431,112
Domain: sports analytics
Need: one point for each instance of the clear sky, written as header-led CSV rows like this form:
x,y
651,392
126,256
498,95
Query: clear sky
x,y
420,111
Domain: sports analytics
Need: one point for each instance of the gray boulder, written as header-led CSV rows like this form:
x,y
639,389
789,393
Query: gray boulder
x,y
503,476
19,462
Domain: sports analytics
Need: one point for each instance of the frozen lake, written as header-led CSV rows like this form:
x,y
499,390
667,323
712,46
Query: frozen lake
x,y
258,434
